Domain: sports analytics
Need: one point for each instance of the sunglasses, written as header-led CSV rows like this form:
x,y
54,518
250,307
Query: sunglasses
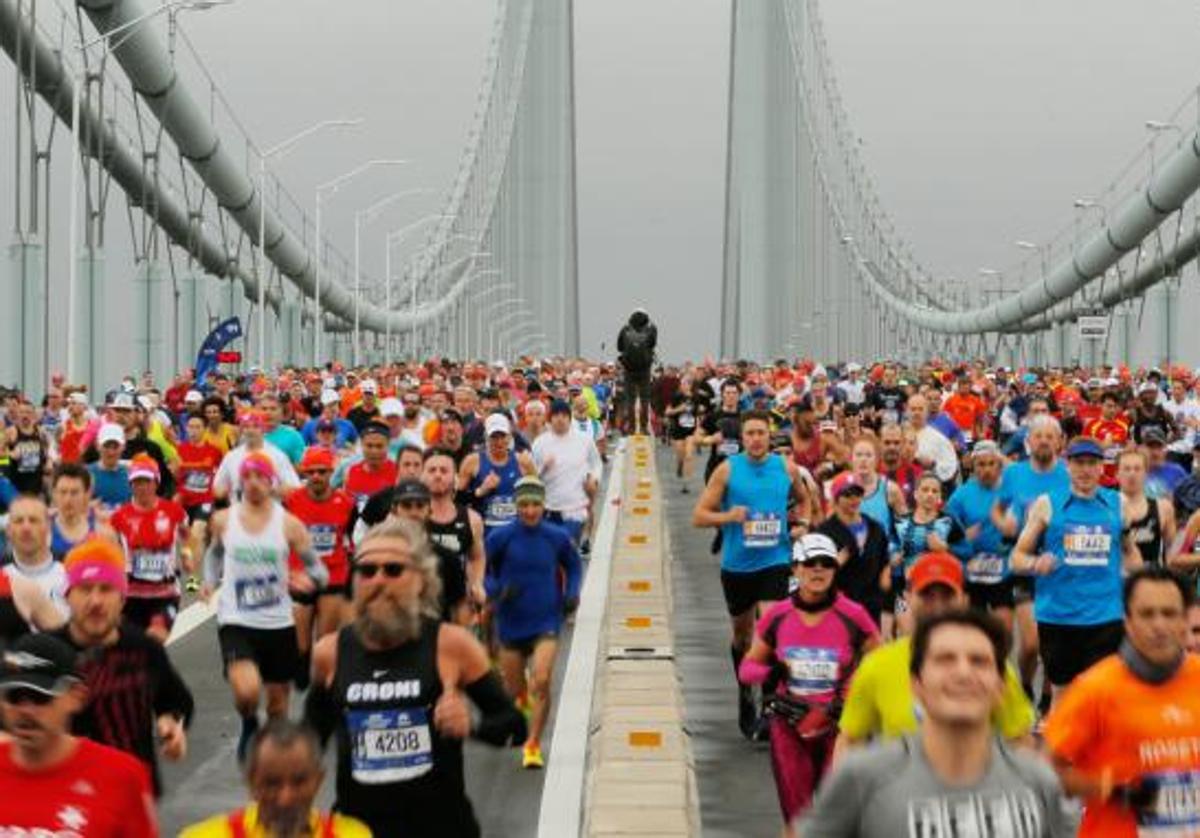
x,y
392,570
825,562
411,504
23,695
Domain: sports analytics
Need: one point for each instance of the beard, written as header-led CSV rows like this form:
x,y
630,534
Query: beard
x,y
284,822
383,621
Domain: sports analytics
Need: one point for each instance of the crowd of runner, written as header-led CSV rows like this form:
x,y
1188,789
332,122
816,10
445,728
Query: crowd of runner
x,y
404,545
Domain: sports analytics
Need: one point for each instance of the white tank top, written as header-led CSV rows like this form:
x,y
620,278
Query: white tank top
x,y
254,587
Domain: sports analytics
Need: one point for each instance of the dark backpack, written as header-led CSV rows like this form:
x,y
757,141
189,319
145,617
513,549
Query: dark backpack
x,y
638,354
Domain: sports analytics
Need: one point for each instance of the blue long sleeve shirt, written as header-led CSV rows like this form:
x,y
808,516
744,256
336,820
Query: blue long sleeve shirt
x,y
522,578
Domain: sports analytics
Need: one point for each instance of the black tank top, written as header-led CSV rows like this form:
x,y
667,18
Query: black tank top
x,y
393,768
452,541
1147,533
27,459
12,624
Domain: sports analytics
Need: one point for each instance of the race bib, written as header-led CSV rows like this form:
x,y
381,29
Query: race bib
x,y
890,416
501,510
1086,545
687,420
728,449
762,530
257,592
985,569
152,566
324,538
30,461
197,481
811,671
1175,812
389,746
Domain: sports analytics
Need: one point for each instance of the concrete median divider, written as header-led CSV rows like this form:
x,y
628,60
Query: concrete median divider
x,y
640,778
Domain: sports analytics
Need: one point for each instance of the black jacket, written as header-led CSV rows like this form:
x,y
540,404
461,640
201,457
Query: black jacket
x,y
858,578
639,325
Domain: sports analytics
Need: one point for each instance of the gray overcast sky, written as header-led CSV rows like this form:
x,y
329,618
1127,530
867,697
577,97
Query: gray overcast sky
x,y
981,121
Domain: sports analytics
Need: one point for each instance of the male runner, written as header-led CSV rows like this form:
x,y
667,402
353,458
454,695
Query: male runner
x,y
28,534
73,519
1123,734
983,550
524,562
391,684
490,476
747,496
154,534
51,782
455,529
251,543
135,696
569,464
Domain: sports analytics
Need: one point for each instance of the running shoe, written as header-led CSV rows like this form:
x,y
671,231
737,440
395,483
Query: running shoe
x,y
525,705
531,756
747,713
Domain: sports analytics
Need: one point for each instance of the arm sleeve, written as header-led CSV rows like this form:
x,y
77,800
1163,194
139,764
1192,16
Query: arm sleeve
x,y
500,723
320,712
214,560
313,566
173,695
568,557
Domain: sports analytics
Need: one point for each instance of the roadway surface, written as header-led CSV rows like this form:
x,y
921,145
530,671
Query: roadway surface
x,y
737,791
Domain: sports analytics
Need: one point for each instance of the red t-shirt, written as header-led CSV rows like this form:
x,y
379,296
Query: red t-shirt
x,y
149,537
197,467
327,522
1112,434
362,481
74,439
97,792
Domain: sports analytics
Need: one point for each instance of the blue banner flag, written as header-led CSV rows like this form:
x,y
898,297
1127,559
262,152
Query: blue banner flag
x,y
218,339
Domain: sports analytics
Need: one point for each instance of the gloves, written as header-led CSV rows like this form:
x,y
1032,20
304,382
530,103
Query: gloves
x,y
1135,795
570,605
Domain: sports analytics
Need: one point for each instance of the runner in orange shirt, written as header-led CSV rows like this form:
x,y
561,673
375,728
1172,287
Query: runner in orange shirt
x,y
1125,735
1111,430
967,409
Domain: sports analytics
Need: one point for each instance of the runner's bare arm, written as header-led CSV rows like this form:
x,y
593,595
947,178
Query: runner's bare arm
x,y
804,499
34,606
1024,558
463,664
467,471
476,563
320,713
707,512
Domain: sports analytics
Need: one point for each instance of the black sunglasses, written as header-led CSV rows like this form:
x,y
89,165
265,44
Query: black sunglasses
x,y
411,504
392,570
23,695
827,562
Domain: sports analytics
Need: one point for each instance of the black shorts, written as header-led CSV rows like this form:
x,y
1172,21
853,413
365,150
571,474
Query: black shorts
x,y
199,512
1022,588
899,585
987,597
1069,650
527,645
274,651
311,597
145,613
745,590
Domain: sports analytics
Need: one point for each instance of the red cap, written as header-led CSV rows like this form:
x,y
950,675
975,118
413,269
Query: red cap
x,y
936,569
316,457
844,482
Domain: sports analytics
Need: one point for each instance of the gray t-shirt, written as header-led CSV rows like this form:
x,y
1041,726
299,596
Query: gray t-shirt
x,y
889,791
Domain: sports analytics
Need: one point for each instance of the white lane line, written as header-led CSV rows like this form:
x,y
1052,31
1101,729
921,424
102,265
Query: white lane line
x,y
191,618
562,792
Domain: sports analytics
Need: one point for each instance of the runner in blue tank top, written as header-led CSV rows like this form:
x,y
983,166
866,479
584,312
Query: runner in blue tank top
x,y
1074,542
490,475
983,549
747,496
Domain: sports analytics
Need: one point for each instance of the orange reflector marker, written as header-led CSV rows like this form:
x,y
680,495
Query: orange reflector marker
x,y
641,496
639,585
638,538
645,739
637,622
645,482
641,510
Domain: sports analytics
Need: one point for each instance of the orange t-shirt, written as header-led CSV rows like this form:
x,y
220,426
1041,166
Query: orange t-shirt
x,y
1110,719
965,410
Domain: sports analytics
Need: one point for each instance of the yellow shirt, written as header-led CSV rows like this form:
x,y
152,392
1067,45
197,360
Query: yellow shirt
x,y
223,439
218,826
880,701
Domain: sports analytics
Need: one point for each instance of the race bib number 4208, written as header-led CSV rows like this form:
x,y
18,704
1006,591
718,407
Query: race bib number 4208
x,y
389,746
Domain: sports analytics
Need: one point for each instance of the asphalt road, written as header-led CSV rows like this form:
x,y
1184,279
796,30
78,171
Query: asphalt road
x,y
737,791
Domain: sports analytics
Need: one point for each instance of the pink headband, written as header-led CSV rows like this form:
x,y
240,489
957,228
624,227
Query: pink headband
x,y
258,465
96,572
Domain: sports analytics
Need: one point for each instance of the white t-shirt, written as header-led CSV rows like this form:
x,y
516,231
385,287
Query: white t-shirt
x,y
933,445
228,481
564,461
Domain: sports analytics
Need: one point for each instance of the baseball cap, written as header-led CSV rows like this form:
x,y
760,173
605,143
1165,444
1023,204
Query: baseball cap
x,y
316,457
78,398
391,406
1085,447
143,467
110,433
39,662
368,386
253,419
410,489
986,446
812,546
1154,436
329,397
530,488
844,483
1148,387
122,401
375,428
559,406
497,423
936,569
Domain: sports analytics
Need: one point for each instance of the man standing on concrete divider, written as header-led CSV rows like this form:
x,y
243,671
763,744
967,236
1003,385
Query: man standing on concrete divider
x,y
523,580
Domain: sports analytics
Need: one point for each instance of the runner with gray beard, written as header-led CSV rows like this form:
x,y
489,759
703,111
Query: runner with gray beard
x,y
391,686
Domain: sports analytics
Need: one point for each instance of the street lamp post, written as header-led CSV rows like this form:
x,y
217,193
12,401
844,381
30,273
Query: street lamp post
x,y
331,187
412,295
277,151
394,238
515,320
80,80
466,325
364,217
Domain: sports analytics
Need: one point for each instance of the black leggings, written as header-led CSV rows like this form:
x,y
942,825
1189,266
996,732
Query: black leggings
x,y
637,387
